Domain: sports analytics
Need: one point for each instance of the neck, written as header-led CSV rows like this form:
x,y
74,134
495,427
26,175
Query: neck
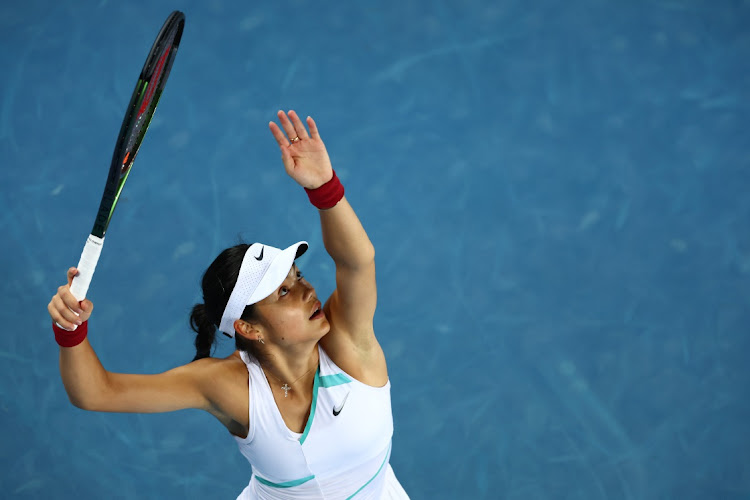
x,y
293,369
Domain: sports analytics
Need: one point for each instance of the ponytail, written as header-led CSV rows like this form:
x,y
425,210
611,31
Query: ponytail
x,y
206,330
217,284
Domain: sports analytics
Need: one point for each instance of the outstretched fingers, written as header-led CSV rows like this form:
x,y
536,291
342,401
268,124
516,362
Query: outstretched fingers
x,y
292,129
278,135
286,124
299,127
313,128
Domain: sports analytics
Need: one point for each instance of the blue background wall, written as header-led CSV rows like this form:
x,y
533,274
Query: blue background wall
x,y
558,195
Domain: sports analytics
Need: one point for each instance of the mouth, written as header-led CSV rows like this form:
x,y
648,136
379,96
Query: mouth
x,y
317,312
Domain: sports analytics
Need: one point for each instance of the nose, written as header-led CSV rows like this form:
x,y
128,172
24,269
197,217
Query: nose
x,y
308,291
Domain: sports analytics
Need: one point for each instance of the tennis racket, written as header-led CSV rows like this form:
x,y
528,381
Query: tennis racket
x,y
138,115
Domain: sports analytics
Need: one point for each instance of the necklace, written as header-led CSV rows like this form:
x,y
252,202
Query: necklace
x,y
286,387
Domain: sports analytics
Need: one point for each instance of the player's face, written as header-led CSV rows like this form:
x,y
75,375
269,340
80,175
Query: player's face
x,y
293,313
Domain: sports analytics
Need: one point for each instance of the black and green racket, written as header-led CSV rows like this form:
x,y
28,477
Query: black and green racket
x,y
141,109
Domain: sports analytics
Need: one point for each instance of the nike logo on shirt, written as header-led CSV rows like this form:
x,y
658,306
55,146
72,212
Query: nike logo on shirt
x,y
337,409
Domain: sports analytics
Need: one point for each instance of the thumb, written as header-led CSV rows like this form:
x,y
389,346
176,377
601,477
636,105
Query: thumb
x,y
87,307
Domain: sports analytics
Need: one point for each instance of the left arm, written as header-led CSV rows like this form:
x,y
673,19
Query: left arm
x,y
351,307
352,304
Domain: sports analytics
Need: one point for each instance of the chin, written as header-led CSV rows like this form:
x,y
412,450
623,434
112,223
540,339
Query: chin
x,y
325,327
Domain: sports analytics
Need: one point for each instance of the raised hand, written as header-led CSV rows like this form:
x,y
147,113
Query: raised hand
x,y
64,308
304,155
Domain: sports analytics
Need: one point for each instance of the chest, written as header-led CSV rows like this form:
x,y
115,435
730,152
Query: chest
x,y
294,410
346,424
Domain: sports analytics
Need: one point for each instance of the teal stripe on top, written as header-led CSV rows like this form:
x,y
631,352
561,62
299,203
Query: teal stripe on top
x,y
316,385
334,380
288,484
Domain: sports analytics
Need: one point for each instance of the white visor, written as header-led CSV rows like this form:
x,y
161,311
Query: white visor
x,y
264,268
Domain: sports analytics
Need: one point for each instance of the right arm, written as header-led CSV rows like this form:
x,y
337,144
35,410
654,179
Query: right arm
x,y
91,387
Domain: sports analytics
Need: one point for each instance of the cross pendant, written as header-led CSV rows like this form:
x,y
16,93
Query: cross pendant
x,y
286,389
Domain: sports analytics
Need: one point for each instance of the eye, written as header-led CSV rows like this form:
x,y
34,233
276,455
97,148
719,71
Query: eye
x,y
283,291
299,275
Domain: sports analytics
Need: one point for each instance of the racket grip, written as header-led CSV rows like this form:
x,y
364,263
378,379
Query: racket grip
x,y
86,267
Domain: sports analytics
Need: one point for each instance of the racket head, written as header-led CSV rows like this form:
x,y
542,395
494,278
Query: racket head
x,y
140,111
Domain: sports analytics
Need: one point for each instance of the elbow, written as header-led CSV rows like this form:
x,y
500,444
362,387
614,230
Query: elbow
x,y
78,402
369,256
359,257
89,399
366,258
81,402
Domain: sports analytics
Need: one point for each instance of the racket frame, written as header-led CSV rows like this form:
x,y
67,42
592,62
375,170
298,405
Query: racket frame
x,y
138,115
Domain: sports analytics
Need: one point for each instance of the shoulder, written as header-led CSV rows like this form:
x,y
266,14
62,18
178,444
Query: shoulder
x,y
213,367
220,371
214,376
224,381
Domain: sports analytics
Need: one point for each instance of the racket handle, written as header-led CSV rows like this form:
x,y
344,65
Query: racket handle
x,y
86,267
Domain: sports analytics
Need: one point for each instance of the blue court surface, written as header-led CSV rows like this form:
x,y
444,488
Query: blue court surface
x,y
558,193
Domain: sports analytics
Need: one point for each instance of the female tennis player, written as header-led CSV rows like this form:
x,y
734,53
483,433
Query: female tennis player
x,y
306,395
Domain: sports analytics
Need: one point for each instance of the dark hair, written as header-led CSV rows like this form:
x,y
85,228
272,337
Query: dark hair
x,y
217,284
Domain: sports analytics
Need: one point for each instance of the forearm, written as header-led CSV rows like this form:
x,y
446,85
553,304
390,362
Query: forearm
x,y
344,237
83,375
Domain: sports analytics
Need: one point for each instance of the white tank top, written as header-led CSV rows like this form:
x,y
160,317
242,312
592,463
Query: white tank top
x,y
343,451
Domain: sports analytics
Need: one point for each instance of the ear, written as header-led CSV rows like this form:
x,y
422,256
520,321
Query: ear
x,y
250,331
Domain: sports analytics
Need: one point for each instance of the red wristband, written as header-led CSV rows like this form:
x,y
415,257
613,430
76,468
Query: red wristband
x,y
67,338
327,195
